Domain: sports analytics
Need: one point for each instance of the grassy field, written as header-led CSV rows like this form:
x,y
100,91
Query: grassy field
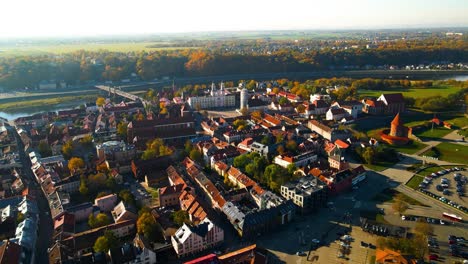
x,y
450,152
415,92
66,48
411,148
46,103
373,124
437,132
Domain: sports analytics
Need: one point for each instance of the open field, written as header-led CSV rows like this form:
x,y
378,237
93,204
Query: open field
x,y
436,132
372,124
66,48
45,103
411,148
450,152
415,92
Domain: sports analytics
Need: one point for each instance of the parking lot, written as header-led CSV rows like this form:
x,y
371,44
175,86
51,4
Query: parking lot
x,y
449,185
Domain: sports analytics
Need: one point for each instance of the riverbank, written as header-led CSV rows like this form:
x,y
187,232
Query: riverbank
x,y
11,110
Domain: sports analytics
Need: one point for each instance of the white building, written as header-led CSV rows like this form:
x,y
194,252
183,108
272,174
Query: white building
x,y
216,99
300,160
192,239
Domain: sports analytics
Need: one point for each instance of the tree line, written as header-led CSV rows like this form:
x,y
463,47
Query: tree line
x,y
83,66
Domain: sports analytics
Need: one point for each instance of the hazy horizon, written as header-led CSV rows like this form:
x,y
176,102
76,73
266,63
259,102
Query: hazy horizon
x,y
54,18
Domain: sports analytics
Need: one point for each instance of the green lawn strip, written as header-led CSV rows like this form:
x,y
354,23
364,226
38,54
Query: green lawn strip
x,y
379,166
451,152
415,181
410,148
433,133
415,92
429,170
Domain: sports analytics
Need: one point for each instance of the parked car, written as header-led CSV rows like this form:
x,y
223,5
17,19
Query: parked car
x,y
433,257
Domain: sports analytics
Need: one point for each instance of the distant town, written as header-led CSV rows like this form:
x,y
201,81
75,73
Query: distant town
x,y
273,171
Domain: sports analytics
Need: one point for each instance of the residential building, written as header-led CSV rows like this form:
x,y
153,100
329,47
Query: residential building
x,y
145,252
124,212
190,239
394,103
300,160
106,203
174,129
169,196
117,151
336,114
308,193
327,132
81,211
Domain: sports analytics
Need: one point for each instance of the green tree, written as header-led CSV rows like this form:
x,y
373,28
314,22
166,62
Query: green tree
x,y
180,217
155,148
44,149
188,146
147,226
75,164
283,101
100,101
240,124
19,218
105,242
99,220
83,187
291,145
399,205
196,155
67,149
127,196
122,129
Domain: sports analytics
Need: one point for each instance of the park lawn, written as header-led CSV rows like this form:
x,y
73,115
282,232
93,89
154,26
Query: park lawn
x,y
415,181
415,92
451,152
410,148
433,133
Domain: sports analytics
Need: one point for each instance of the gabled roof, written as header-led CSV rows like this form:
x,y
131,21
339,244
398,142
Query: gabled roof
x,y
394,98
341,144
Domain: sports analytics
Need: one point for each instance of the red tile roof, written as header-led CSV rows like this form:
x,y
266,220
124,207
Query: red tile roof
x,y
341,144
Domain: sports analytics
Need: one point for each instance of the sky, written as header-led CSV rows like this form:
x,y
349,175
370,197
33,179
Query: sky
x,y
70,18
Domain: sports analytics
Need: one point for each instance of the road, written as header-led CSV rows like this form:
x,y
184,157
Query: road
x,y
45,222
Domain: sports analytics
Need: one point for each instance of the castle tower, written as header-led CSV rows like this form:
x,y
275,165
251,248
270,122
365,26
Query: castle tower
x,y
244,98
397,128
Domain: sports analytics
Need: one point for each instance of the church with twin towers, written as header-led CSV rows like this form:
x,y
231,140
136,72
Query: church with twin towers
x,y
217,98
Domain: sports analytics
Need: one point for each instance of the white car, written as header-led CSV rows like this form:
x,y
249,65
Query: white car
x,y
403,217
442,222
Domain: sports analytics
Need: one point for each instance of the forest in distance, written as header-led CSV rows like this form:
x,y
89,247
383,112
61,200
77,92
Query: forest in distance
x,y
228,57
